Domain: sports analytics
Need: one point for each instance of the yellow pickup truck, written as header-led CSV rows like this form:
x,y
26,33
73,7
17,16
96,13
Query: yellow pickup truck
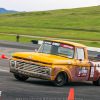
x,y
56,61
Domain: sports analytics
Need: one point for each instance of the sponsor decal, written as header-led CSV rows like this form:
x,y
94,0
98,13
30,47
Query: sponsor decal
x,y
58,44
0,94
54,43
82,72
47,42
66,46
92,72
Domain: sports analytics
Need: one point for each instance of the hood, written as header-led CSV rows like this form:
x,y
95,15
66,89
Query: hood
x,y
42,57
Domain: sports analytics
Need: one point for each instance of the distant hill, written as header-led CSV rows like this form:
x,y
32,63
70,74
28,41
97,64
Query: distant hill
x,y
2,10
78,23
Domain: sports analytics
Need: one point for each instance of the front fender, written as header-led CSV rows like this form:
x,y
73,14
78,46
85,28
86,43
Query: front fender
x,y
58,70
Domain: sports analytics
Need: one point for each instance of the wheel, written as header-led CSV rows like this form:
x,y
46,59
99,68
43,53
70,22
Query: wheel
x,y
97,83
60,80
20,77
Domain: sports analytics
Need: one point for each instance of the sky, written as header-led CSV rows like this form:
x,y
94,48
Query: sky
x,y
43,5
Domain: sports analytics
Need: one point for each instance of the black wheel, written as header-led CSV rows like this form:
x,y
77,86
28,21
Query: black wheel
x,y
60,80
20,77
97,83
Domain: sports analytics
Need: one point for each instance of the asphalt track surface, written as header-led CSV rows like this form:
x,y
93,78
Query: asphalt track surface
x,y
36,89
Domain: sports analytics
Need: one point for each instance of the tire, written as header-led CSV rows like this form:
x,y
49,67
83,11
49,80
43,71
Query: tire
x,y
20,77
60,80
97,83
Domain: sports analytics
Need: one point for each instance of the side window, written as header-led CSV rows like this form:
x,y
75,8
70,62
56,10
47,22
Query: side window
x,y
79,54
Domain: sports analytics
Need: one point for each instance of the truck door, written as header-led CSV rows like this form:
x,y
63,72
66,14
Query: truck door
x,y
82,65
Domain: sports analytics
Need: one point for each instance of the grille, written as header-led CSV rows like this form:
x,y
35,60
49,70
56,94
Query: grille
x,y
31,67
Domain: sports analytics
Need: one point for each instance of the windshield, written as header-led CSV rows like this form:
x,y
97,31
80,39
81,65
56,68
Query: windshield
x,y
59,49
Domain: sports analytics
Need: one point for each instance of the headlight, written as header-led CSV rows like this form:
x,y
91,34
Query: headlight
x,y
47,71
12,63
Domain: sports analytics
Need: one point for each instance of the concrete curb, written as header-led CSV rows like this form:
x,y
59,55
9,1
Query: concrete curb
x,y
93,49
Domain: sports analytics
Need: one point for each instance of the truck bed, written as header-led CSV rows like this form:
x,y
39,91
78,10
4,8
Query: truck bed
x,y
91,55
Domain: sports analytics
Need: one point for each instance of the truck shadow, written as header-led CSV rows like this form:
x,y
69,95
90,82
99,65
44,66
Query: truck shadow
x,y
47,83
79,84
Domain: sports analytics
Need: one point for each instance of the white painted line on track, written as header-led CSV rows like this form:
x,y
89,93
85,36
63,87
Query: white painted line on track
x,y
2,70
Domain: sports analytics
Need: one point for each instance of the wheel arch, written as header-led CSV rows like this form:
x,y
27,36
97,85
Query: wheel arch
x,y
65,74
66,71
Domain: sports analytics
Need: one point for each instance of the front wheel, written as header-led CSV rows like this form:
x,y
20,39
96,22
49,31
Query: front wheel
x,y
20,77
60,80
97,83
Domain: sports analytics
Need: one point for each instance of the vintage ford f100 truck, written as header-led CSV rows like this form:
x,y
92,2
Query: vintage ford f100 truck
x,y
56,61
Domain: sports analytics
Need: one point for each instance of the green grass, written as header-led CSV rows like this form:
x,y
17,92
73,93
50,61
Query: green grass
x,y
28,40
78,23
68,34
91,44
21,38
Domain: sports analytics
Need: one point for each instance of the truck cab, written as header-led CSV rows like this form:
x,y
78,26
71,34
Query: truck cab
x,y
56,61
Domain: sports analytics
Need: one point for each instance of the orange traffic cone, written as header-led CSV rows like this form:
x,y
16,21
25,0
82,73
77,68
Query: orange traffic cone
x,y
71,94
4,57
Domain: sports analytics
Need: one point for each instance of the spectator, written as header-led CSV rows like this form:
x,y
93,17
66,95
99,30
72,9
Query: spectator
x,y
17,37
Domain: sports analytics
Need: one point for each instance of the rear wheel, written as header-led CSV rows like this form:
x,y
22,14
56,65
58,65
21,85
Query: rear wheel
x,y
20,77
60,80
97,83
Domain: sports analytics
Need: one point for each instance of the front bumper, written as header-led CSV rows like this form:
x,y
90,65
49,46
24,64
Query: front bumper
x,y
30,74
